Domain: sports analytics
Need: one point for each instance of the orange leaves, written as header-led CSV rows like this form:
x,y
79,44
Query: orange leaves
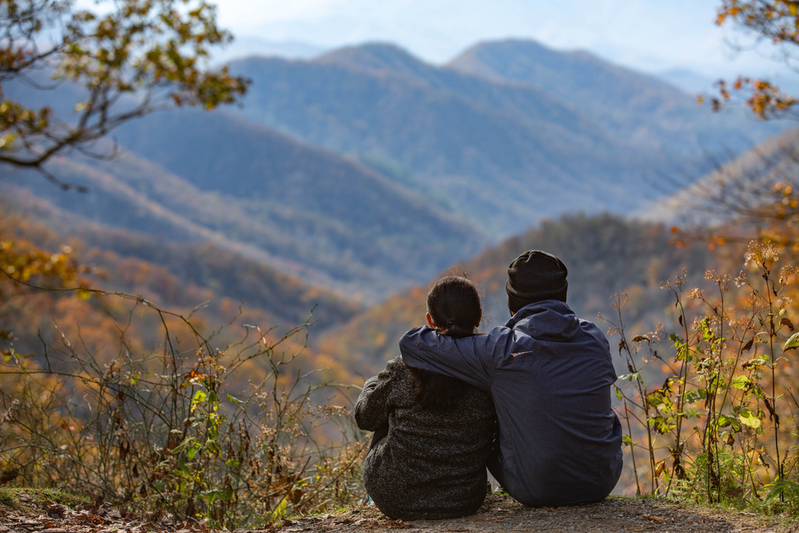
x,y
776,20
766,99
761,97
729,8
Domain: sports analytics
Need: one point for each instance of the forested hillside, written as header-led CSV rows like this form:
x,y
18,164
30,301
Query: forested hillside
x,y
247,189
543,141
638,109
737,191
220,289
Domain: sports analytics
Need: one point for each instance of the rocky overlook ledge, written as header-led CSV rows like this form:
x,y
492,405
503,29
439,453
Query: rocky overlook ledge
x,y
499,514
502,514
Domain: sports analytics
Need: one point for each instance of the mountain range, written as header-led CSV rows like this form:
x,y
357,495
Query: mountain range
x,y
368,171
504,135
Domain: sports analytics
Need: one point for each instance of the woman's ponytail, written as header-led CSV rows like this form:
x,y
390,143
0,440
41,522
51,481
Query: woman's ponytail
x,y
454,307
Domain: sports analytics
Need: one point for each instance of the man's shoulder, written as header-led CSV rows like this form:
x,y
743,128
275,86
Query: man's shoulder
x,y
590,328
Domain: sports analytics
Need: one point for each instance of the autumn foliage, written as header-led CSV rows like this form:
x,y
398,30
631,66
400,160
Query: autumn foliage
x,y
140,56
776,21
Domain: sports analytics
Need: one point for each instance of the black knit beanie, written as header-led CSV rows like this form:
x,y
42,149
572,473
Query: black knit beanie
x,y
535,276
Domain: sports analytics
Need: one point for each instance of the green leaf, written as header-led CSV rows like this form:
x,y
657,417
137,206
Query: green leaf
x,y
661,425
199,397
654,399
749,419
742,382
792,343
213,447
693,396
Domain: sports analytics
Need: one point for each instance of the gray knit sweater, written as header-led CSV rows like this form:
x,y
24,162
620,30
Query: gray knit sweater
x,y
432,462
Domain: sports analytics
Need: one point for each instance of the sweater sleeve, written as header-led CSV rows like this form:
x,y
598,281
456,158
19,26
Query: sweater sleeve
x,y
372,407
470,359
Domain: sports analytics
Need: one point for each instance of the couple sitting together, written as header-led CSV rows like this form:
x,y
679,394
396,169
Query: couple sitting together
x,y
529,400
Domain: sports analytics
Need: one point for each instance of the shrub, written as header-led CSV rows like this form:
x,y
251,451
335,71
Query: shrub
x,y
174,432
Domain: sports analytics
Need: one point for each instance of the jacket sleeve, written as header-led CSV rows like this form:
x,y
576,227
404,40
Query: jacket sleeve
x,y
372,407
470,359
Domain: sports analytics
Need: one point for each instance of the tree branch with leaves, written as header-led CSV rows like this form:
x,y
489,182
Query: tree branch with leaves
x,y
776,21
140,56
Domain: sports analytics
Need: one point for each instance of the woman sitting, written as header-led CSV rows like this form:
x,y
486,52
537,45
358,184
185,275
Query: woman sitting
x,y
433,433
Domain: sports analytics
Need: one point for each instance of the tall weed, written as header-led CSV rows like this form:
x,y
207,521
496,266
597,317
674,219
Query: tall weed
x,y
236,437
713,412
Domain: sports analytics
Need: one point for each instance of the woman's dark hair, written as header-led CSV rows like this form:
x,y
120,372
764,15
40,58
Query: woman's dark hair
x,y
454,306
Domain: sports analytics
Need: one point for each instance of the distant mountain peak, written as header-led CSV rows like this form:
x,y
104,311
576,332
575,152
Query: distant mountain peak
x,y
376,57
511,58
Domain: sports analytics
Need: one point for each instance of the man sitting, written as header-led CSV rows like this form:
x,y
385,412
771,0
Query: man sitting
x,y
549,375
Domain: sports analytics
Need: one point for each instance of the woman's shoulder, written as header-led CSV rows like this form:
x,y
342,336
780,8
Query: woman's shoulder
x,y
396,371
396,366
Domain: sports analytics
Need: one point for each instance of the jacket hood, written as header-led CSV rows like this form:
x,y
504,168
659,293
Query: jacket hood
x,y
546,320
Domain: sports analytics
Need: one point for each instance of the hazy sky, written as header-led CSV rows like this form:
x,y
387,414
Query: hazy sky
x,y
644,34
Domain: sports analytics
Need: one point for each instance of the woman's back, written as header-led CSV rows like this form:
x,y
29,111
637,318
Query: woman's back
x,y
432,462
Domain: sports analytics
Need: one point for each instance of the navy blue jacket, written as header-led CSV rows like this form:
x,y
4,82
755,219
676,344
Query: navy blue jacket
x,y
549,374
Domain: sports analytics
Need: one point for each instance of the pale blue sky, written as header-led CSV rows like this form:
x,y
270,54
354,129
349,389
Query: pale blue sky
x,y
646,35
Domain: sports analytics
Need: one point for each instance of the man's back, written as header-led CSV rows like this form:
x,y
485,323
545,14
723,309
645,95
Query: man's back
x,y
549,375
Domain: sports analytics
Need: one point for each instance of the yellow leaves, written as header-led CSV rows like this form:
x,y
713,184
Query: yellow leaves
x,y
776,20
137,46
26,262
761,97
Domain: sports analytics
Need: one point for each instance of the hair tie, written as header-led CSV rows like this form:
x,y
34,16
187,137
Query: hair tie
x,y
450,322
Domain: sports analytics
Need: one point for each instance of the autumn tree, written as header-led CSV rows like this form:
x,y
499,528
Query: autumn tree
x,y
129,59
775,21
757,193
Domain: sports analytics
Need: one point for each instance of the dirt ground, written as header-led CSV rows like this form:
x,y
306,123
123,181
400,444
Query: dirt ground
x,y
499,514
502,514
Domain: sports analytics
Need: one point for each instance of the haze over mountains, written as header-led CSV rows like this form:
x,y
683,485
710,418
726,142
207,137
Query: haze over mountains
x,y
505,135
367,171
